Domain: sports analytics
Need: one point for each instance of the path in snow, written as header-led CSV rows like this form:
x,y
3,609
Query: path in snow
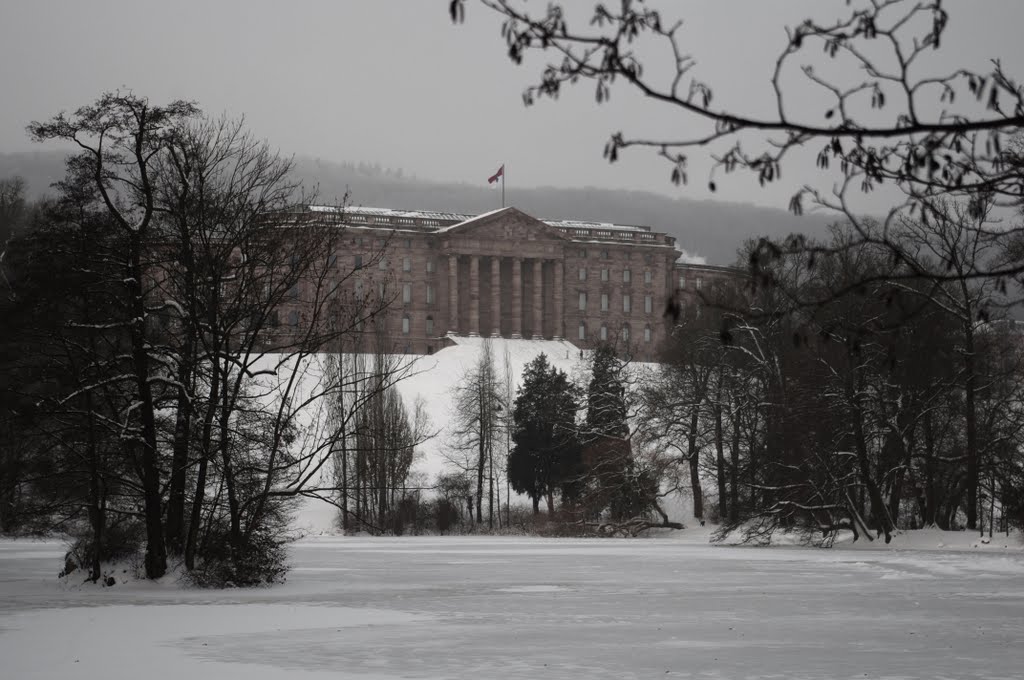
x,y
531,608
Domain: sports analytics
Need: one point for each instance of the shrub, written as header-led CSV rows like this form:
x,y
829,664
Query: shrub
x,y
262,560
120,541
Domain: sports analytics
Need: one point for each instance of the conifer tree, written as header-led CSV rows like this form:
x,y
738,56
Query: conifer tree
x,y
546,451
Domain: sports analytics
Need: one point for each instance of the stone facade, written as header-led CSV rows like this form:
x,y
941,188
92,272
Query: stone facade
x,y
507,274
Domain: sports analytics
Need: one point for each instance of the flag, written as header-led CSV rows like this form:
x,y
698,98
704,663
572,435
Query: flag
x,y
500,173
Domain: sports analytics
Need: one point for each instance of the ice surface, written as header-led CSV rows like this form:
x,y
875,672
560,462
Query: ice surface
x,y
485,608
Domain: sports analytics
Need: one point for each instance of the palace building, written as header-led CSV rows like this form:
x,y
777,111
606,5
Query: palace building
x,y
507,274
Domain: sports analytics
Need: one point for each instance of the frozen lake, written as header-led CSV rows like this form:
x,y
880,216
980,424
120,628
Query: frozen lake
x,y
531,608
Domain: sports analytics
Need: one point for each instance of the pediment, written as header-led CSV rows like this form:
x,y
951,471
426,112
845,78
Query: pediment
x,y
507,224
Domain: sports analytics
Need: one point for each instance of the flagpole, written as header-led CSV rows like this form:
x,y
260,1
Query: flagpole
x,y
503,171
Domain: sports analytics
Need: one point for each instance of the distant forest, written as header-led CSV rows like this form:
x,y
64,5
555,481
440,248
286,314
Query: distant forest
x,y
709,229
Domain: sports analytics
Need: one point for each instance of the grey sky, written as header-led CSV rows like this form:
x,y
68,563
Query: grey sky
x,y
395,82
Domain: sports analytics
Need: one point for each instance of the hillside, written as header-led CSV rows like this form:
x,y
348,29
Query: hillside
x,y
709,229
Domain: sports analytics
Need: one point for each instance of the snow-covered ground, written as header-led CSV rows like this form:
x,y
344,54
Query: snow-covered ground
x,y
531,608
433,380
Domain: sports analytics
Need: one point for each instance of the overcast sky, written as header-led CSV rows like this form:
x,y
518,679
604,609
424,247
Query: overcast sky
x,y
394,82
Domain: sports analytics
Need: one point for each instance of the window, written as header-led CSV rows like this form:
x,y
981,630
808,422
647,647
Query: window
x,y
430,294
430,325
430,265
358,261
648,304
625,333
698,283
293,318
293,292
604,332
604,254
647,333
627,303
604,302
408,243
583,253
604,274
626,275
273,321
332,261
381,290
359,289
406,264
648,276
405,324
583,301
582,331
383,264
682,282
407,293
583,273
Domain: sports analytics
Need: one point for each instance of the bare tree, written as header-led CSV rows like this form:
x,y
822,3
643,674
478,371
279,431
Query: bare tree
x,y
476,425
120,135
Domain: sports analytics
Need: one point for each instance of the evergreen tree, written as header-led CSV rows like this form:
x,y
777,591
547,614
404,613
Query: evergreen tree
x,y
546,448
606,404
610,479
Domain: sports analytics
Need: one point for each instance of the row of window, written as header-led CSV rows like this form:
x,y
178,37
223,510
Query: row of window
x,y
627,303
605,255
383,263
602,332
382,292
605,273
627,275
698,282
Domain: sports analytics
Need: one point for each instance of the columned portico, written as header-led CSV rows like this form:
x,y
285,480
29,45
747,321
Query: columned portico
x,y
558,330
538,299
517,297
453,294
474,295
495,297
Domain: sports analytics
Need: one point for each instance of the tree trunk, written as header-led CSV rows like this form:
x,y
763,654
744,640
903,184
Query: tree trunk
x,y
344,484
481,459
691,454
734,471
972,427
723,506
156,552
930,511
878,508
97,516
206,451
179,459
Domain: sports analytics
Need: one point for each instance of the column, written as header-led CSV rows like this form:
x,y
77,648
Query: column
x,y
496,297
453,295
538,299
559,325
517,297
474,295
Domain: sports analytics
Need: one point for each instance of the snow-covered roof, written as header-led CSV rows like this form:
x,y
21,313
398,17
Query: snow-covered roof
x,y
433,220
